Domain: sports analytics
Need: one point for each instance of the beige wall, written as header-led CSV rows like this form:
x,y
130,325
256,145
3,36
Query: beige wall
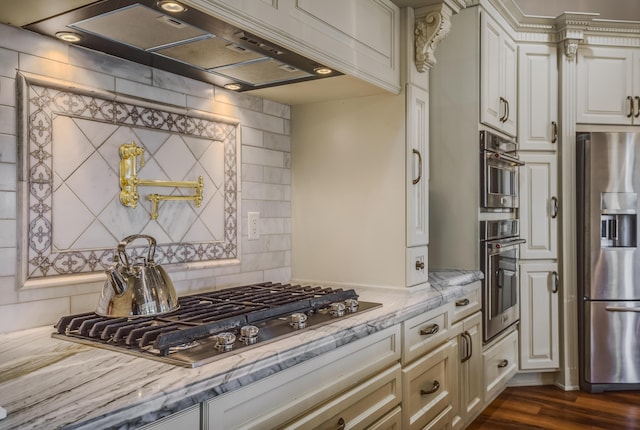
x,y
348,164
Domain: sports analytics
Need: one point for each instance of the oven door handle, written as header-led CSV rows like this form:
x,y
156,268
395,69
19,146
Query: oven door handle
x,y
501,156
506,244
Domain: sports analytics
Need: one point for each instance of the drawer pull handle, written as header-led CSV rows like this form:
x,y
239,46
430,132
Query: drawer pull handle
x,y
433,389
554,128
503,364
630,99
432,329
462,302
341,424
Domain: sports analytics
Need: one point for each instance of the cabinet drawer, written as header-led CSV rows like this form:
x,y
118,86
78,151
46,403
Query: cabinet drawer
x,y
427,386
424,332
500,364
391,421
359,407
290,393
469,303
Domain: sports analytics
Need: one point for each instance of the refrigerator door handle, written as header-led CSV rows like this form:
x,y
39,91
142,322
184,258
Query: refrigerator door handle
x,y
621,309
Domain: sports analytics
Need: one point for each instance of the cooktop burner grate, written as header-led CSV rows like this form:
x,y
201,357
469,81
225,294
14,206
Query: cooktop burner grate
x,y
189,335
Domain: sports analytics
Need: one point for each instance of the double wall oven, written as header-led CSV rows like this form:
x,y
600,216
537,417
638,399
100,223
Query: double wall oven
x,y
499,233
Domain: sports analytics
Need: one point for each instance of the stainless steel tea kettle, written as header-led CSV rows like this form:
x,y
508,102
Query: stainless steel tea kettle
x,y
138,289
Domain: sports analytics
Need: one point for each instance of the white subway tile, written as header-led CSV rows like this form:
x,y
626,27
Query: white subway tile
x,y
21,316
7,233
244,101
57,69
251,136
274,175
7,205
181,84
8,290
277,242
277,109
84,303
8,261
252,173
260,191
7,119
8,178
8,59
262,157
7,91
109,65
273,226
243,278
276,209
33,43
279,142
138,89
8,148
282,274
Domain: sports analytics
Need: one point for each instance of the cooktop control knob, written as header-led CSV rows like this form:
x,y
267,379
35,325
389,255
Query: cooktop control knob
x,y
298,321
225,341
249,334
352,305
337,309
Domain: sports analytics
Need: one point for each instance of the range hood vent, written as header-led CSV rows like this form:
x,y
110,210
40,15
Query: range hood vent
x,y
189,43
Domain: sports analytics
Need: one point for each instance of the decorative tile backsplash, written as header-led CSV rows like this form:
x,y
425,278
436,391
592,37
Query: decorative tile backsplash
x,y
81,215
71,168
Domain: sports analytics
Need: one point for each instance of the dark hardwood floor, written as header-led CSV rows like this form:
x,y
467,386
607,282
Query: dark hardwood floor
x,y
548,407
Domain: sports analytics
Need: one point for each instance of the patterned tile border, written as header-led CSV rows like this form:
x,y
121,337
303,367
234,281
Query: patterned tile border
x,y
40,100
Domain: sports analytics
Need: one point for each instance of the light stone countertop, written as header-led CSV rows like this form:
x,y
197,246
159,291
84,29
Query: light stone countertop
x,y
47,383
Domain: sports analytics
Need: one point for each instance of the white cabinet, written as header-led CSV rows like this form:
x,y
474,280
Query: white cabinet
x,y
538,98
188,419
539,206
539,319
428,386
352,372
499,77
500,363
417,185
358,38
608,86
470,381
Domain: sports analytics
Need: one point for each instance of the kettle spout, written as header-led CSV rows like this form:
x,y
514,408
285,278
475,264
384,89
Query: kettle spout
x,y
116,280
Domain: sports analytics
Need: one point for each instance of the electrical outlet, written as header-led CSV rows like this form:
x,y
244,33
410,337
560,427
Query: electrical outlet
x,y
254,225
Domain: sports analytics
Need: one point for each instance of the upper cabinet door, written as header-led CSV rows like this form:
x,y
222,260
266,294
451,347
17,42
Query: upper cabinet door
x,y
605,86
538,101
498,77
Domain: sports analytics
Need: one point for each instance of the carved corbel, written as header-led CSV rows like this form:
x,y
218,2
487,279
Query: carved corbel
x,y
571,48
430,29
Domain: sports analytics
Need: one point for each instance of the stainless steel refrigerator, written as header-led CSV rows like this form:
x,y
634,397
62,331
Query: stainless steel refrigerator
x,y
608,183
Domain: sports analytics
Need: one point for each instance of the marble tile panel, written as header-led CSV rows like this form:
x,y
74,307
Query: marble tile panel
x,y
276,209
250,118
279,142
94,183
262,157
273,225
241,100
182,84
252,136
84,303
8,290
277,242
21,316
264,260
274,175
242,278
8,261
110,65
7,91
8,177
8,148
8,235
252,173
8,58
256,190
73,149
137,89
7,205
282,274
56,68
8,120
36,44
70,218
278,109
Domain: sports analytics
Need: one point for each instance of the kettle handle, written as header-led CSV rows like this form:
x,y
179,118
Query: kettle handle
x,y
124,242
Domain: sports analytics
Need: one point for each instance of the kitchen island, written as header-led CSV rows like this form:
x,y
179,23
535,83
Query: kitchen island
x,y
48,383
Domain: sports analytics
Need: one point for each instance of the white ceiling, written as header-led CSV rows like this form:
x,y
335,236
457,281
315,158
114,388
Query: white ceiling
x,y
619,10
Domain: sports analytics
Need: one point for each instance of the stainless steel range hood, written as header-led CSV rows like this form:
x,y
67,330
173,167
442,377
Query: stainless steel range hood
x,y
189,43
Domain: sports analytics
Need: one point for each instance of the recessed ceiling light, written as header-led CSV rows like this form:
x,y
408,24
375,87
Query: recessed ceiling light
x,y
171,6
323,70
68,36
233,87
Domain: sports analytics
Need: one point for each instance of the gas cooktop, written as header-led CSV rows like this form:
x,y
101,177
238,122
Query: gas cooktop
x,y
208,326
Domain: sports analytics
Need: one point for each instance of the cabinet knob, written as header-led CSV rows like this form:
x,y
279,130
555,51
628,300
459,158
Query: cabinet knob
x,y
432,329
419,265
435,387
341,424
503,364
